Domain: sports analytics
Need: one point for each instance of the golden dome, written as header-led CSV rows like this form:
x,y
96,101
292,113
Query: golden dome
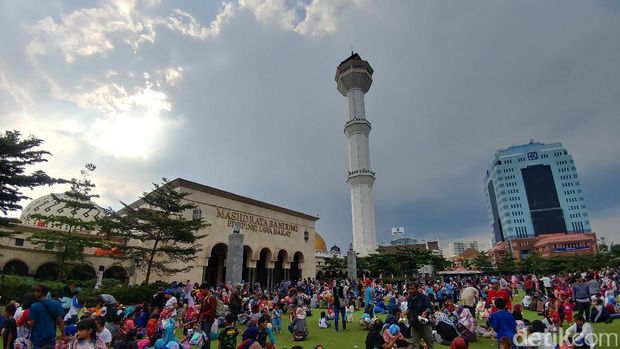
x,y
319,243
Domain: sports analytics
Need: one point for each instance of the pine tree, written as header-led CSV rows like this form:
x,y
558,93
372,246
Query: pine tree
x,y
15,155
156,235
69,235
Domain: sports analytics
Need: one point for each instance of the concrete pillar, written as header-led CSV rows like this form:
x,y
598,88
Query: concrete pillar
x,y
234,260
351,265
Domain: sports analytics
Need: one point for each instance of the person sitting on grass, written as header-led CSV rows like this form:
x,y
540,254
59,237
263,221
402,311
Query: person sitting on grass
x,y
264,332
392,332
502,321
581,334
374,339
249,339
323,323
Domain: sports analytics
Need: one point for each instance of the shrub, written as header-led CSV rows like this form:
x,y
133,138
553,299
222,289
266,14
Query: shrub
x,y
15,287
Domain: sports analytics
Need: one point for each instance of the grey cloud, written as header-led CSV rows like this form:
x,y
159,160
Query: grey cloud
x,y
259,115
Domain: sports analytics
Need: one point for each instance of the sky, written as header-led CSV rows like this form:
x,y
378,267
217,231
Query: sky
x,y
240,95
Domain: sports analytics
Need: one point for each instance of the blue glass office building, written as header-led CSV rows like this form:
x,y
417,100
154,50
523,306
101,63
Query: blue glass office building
x,y
533,189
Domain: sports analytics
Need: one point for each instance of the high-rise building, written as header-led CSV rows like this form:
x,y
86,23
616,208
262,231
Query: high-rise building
x,y
353,78
457,248
533,189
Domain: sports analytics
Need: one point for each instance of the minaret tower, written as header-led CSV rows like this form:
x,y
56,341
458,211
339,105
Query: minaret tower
x,y
354,77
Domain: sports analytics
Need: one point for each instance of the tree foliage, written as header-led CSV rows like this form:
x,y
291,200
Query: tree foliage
x,y
156,234
68,236
403,262
483,263
16,153
335,267
507,264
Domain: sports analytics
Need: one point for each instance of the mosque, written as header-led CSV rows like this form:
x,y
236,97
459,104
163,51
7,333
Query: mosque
x,y
279,244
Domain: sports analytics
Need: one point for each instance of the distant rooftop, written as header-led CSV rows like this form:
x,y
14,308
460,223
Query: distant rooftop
x,y
531,145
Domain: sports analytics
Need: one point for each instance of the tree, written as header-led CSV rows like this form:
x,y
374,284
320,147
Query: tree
x,y
335,267
156,234
507,264
15,155
69,235
400,263
533,264
483,263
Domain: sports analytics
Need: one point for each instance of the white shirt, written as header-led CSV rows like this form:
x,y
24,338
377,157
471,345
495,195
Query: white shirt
x,y
546,281
105,335
587,333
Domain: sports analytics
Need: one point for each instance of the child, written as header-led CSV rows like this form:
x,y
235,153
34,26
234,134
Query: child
x,y
392,333
567,308
190,317
502,321
277,318
349,313
505,343
323,323
228,336
10,327
102,332
86,337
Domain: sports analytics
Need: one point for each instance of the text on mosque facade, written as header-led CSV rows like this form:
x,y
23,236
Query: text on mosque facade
x,y
257,223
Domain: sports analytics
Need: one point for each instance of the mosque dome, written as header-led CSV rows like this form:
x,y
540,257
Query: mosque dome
x,y
47,205
319,243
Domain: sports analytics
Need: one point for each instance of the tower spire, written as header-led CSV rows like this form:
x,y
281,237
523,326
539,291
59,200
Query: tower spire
x,y
353,78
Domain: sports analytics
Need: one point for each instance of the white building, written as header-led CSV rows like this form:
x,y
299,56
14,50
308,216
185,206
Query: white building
x,y
534,189
457,248
353,78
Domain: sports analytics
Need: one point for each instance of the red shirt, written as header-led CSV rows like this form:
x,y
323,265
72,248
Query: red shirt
x,y
207,308
492,295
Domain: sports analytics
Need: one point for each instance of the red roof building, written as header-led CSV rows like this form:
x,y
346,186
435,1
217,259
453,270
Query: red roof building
x,y
548,245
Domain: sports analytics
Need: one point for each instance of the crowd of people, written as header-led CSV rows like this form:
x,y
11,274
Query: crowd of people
x,y
413,314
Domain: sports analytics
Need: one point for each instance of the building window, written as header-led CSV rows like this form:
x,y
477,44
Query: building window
x,y
19,242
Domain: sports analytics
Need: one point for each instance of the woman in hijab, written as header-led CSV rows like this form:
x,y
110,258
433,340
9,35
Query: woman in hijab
x,y
249,339
446,331
467,326
168,338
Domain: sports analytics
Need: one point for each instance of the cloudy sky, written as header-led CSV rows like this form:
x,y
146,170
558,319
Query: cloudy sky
x,y
240,95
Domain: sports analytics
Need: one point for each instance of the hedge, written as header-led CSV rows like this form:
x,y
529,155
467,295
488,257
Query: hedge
x,y
15,287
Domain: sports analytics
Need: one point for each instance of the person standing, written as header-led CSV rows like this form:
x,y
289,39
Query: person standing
x,y
547,284
340,304
497,292
469,297
44,316
502,321
594,287
419,309
581,297
208,306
